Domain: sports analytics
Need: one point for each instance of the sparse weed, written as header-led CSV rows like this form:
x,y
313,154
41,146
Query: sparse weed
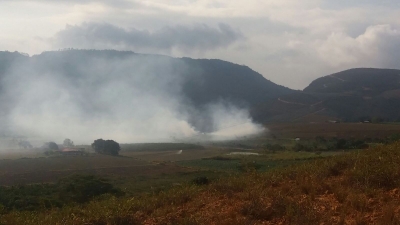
x,y
358,202
341,193
257,210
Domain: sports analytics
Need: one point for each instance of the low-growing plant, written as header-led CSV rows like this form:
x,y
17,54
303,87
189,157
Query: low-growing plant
x,y
248,166
76,189
377,168
81,189
257,210
201,181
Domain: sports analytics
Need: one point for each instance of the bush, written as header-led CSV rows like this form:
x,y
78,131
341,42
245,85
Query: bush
x,y
201,181
393,138
249,166
275,147
302,147
79,189
82,189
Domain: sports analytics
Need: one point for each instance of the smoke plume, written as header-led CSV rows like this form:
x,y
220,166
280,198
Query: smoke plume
x,y
113,95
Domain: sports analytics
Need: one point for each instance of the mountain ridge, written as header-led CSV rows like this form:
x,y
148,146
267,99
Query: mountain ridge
x,y
350,95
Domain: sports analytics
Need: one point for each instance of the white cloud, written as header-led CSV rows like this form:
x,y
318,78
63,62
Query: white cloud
x,y
379,46
198,37
289,41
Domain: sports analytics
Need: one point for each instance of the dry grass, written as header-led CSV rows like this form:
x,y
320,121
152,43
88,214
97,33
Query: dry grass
x,y
356,188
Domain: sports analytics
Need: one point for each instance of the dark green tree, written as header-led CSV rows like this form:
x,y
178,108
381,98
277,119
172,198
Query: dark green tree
x,y
107,147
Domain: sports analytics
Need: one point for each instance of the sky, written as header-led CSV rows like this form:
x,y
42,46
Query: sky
x,y
290,42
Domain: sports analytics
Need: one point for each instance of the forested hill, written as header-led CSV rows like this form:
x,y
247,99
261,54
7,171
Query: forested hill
x,y
353,95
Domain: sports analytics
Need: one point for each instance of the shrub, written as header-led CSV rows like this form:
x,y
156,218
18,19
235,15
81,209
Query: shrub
x,y
302,147
257,210
275,147
84,188
201,181
248,166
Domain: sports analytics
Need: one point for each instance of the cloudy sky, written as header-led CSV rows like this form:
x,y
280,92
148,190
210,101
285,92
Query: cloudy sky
x,y
290,42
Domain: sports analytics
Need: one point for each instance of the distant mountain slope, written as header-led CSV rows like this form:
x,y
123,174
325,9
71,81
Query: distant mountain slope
x,y
84,77
220,79
207,80
361,93
351,95
363,81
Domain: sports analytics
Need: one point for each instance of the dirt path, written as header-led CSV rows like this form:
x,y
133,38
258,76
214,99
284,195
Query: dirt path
x,y
296,103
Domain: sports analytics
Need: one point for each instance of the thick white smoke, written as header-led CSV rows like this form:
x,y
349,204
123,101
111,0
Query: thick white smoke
x,y
130,99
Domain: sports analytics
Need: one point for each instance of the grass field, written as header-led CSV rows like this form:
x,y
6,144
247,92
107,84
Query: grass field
x,y
355,188
157,168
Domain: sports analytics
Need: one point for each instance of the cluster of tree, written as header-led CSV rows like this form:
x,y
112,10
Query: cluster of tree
x,y
107,147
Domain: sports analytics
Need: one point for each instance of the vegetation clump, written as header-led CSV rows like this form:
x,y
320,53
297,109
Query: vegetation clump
x,y
106,147
82,189
52,146
75,189
201,181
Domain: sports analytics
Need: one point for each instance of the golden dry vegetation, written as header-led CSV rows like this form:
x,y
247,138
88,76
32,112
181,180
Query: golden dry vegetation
x,y
362,187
